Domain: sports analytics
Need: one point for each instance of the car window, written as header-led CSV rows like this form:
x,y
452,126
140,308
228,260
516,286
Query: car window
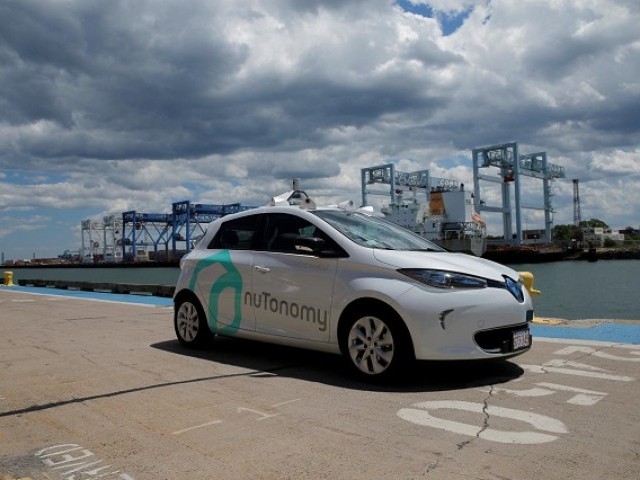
x,y
283,229
374,232
236,234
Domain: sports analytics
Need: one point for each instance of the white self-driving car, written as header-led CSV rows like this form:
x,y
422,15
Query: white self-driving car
x,y
342,281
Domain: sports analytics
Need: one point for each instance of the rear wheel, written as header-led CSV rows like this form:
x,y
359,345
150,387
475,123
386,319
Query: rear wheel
x,y
190,323
376,347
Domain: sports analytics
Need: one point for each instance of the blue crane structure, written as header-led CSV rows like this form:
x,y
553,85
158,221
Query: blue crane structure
x,y
189,220
512,166
168,236
143,230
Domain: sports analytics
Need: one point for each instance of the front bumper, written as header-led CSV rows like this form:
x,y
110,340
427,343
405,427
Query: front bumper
x,y
467,325
513,339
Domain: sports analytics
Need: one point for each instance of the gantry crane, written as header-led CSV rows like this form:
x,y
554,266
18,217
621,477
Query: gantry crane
x,y
511,167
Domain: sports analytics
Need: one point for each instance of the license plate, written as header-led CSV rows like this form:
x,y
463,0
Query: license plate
x,y
521,339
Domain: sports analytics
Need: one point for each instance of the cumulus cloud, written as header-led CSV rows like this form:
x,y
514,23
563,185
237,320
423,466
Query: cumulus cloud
x,y
135,104
616,162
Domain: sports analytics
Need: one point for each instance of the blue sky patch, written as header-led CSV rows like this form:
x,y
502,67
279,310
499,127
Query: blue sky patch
x,y
449,21
418,8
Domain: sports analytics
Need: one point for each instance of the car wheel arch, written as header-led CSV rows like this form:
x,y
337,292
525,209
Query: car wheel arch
x,y
190,320
185,294
361,306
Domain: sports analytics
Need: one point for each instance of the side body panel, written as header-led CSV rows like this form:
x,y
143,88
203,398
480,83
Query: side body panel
x,y
292,295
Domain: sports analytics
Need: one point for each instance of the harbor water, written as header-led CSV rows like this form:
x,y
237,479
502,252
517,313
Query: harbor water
x,y
606,289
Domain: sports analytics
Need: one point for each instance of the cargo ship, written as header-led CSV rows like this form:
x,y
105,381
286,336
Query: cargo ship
x,y
437,209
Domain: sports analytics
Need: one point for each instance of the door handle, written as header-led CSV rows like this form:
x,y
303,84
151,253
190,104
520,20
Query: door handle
x,y
262,269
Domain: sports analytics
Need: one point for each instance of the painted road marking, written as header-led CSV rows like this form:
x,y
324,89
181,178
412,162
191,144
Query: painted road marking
x,y
261,415
583,397
578,369
545,427
180,432
70,461
419,414
276,405
264,416
597,353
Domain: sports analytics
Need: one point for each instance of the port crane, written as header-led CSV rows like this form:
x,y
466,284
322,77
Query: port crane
x,y
137,235
511,168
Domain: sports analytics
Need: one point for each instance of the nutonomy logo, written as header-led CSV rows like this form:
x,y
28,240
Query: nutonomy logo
x,y
232,279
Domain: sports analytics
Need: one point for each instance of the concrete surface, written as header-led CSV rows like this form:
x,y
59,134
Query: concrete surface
x,y
103,390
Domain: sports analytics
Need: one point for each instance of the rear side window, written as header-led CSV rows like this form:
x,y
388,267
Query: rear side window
x,y
237,234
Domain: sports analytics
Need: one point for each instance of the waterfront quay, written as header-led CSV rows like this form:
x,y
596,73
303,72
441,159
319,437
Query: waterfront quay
x,y
111,287
95,385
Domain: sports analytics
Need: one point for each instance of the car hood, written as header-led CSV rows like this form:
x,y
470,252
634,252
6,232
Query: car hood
x,y
454,262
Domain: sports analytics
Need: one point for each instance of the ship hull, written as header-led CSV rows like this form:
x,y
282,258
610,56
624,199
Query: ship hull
x,y
474,246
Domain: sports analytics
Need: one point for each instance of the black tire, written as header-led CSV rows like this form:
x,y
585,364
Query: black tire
x,y
190,323
376,346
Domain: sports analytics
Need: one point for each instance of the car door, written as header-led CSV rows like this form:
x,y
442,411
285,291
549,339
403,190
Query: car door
x,y
222,275
292,291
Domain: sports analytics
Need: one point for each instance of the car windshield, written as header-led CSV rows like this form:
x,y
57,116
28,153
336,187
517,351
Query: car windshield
x,y
373,232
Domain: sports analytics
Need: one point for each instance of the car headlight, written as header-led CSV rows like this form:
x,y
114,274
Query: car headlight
x,y
444,279
515,288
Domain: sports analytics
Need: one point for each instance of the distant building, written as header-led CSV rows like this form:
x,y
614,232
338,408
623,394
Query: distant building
x,y
597,236
534,236
630,231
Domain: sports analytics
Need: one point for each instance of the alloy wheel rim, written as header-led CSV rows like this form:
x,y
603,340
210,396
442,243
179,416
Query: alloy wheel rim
x,y
188,322
371,345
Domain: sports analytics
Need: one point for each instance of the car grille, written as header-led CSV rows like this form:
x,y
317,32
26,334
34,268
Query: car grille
x,y
498,340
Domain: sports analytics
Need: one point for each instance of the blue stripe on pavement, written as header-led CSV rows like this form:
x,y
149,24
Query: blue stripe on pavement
x,y
105,297
606,332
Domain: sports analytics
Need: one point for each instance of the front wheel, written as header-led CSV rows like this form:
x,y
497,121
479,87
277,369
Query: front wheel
x,y
190,323
376,347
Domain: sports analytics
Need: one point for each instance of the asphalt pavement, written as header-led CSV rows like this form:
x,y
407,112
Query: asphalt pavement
x,y
101,389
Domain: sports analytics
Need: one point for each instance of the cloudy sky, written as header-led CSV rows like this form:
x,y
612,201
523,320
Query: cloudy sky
x,y
110,106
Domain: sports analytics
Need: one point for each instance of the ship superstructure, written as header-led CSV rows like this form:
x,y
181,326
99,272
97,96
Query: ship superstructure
x,y
438,209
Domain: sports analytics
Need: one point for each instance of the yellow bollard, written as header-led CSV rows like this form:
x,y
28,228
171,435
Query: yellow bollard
x,y
8,279
527,279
